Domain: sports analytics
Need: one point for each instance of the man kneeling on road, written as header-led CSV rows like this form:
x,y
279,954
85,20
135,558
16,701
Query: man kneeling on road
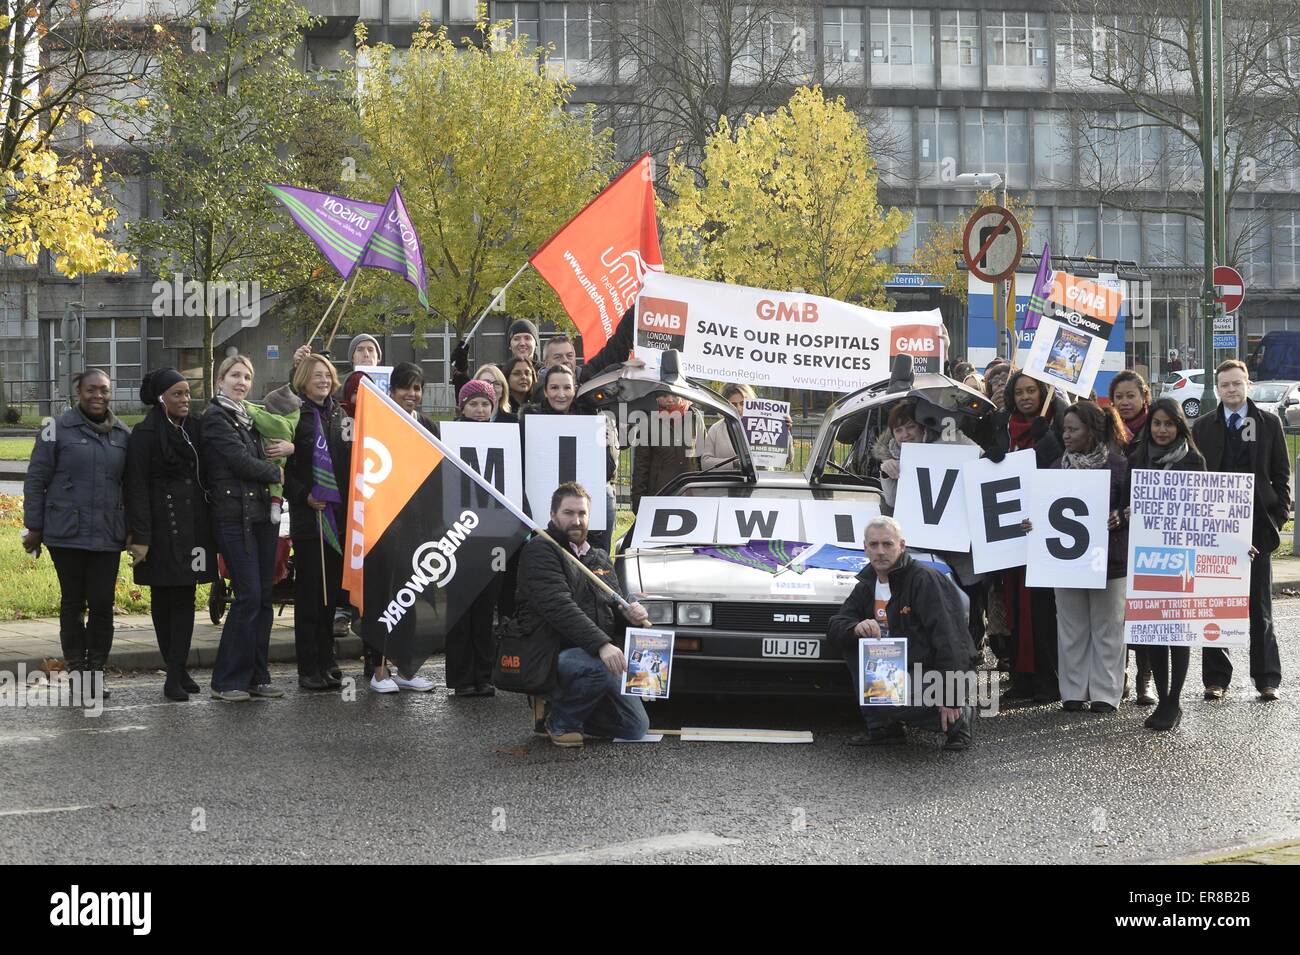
x,y
898,597
555,595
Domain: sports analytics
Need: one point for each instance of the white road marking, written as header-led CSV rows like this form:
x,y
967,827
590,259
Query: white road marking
x,y
54,734
38,812
680,842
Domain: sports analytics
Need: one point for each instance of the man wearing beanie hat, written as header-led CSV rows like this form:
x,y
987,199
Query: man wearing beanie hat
x,y
477,401
522,338
370,351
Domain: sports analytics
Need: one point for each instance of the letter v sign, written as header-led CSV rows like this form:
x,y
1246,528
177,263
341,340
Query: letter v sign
x,y
932,508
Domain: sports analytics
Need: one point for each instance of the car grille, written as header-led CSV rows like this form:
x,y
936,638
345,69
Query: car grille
x,y
761,617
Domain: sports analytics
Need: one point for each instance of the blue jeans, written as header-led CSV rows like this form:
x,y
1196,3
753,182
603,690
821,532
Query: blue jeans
x,y
588,700
246,636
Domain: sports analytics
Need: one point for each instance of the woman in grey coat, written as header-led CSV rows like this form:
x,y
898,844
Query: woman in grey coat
x,y
72,503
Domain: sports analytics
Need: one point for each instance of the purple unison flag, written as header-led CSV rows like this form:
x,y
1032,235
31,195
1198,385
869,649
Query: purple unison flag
x,y
1038,295
395,246
340,226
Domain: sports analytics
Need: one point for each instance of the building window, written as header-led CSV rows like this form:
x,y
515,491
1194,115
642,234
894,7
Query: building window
x,y
1123,147
938,143
410,11
892,147
915,235
522,17
568,28
1053,148
842,34
901,37
1286,236
1121,236
997,141
1076,232
1164,239
959,38
1017,39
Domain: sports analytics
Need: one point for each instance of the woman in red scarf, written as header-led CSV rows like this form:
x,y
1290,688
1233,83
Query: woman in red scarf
x,y
1030,651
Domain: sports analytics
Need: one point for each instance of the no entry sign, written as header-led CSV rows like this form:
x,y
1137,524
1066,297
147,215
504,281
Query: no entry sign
x,y
992,243
1231,286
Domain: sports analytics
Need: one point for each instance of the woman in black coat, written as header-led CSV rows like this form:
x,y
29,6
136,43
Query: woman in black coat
x,y
168,521
1165,444
239,477
1031,649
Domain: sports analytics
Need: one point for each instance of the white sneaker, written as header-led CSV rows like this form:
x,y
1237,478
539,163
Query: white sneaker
x,y
416,683
383,686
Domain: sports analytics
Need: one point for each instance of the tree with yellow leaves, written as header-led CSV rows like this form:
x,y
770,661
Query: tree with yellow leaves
x,y
787,200
491,162
54,198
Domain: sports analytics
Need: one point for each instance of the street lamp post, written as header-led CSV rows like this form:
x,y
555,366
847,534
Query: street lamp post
x,y
1207,161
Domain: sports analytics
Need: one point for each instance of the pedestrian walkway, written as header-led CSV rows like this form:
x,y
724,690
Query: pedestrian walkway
x,y
134,646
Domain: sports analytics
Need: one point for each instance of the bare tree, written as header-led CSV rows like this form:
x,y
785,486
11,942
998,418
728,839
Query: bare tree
x,y
680,65
1135,81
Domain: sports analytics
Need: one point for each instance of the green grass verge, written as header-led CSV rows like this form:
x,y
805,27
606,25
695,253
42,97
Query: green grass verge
x,y
16,449
29,587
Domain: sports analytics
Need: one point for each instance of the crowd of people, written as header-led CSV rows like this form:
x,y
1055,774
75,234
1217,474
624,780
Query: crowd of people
x,y
191,497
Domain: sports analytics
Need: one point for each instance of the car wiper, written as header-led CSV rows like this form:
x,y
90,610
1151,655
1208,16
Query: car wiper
x,y
723,463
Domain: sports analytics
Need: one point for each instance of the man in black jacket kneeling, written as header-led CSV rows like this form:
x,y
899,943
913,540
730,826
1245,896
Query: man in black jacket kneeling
x,y
898,597
555,596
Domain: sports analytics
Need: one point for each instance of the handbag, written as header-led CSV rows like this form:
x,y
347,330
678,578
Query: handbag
x,y
524,662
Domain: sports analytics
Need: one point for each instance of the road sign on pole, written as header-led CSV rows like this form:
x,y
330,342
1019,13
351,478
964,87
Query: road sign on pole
x,y
1230,286
992,243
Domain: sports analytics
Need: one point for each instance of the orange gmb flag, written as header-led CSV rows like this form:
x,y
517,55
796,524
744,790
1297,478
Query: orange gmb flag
x,y
380,485
597,261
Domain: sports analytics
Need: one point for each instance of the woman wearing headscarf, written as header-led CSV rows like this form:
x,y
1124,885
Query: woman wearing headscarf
x,y
1090,622
239,476
1166,444
170,526
1029,421
72,503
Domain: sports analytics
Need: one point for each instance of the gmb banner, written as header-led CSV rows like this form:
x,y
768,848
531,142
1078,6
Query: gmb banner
x,y
1070,341
1189,558
777,339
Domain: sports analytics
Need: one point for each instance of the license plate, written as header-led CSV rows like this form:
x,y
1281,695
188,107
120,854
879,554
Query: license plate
x,y
785,647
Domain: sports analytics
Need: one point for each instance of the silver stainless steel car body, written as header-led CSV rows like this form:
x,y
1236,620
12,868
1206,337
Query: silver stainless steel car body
x,y
748,616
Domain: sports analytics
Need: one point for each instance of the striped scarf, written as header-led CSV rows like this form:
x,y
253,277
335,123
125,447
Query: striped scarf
x,y
324,486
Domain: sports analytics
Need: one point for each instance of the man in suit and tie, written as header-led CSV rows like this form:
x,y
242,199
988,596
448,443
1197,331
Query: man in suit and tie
x,y
1238,436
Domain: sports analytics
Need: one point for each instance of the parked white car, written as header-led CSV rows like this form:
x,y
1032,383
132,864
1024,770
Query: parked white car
x,y
1185,387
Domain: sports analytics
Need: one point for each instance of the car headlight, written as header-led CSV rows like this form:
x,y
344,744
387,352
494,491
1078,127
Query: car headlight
x,y
660,611
694,614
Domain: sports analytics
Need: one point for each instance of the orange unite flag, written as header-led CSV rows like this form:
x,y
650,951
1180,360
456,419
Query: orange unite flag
x,y
597,261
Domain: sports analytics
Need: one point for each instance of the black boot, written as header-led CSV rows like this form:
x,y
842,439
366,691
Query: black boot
x,y
186,681
1144,678
1166,717
173,689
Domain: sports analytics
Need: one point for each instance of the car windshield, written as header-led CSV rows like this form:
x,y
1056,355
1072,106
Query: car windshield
x,y
1267,392
1173,378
